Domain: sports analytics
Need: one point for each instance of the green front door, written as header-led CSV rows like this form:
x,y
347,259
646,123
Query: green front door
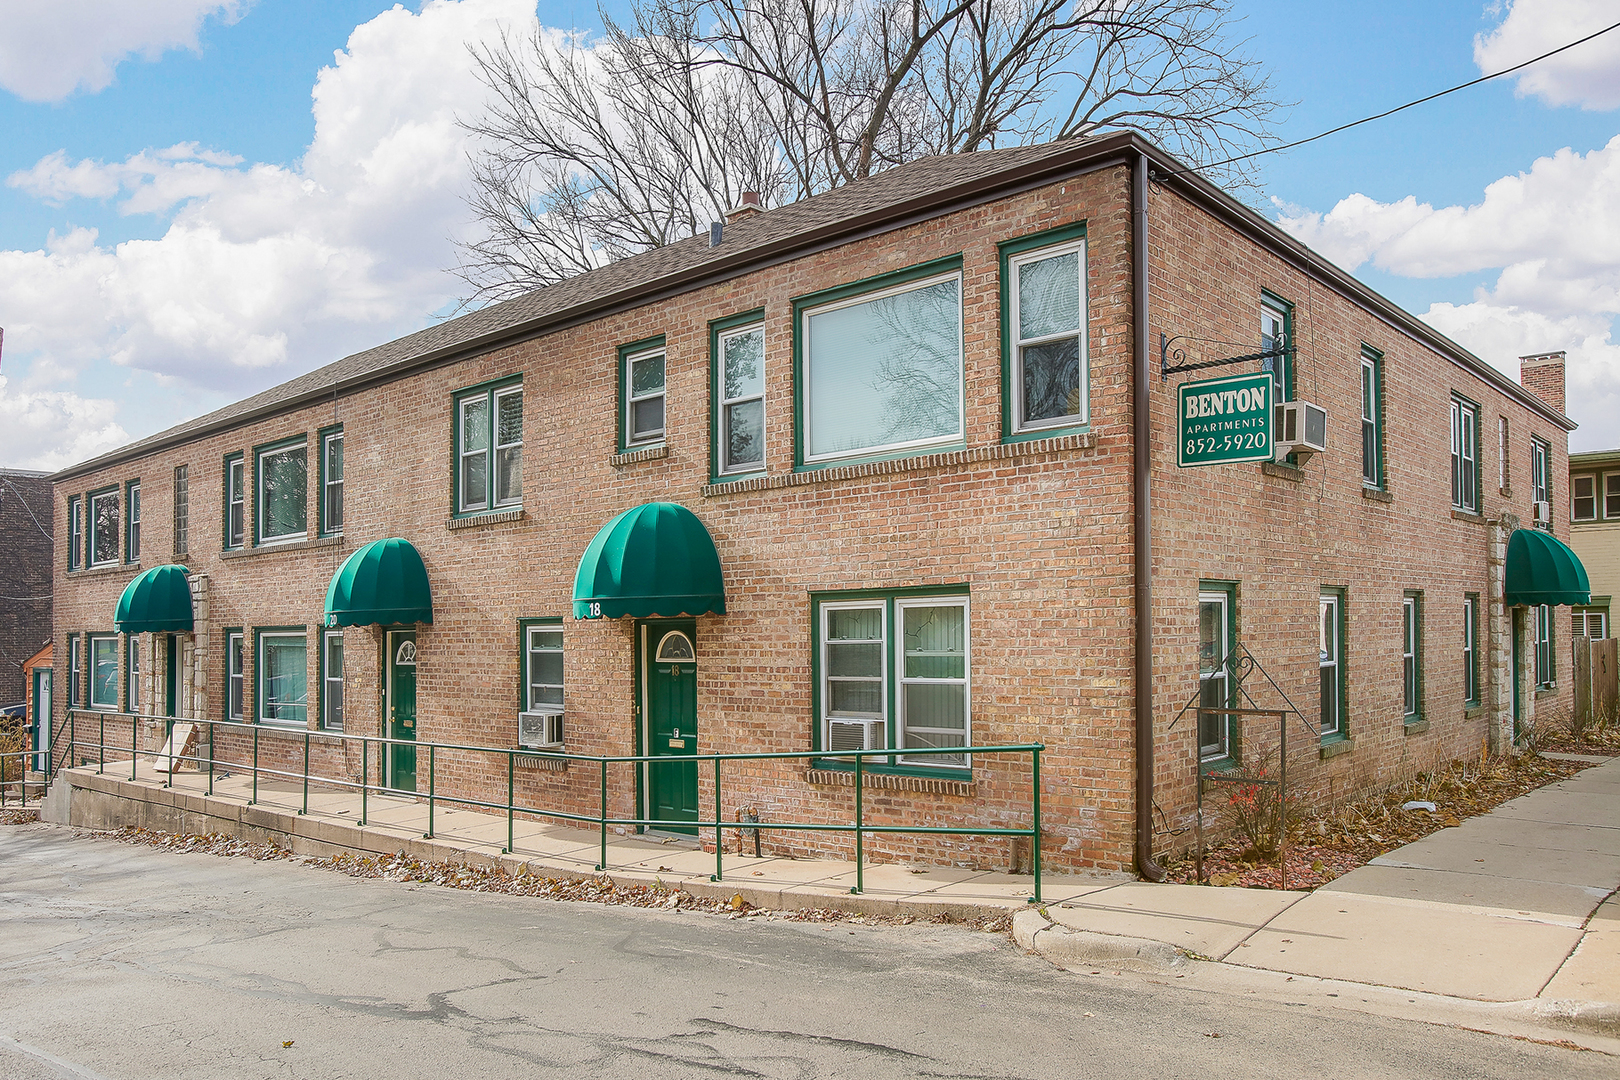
x,y
402,709
670,691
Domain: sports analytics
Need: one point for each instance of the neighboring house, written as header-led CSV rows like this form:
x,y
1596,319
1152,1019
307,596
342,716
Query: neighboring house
x,y
25,575
37,678
1594,514
893,466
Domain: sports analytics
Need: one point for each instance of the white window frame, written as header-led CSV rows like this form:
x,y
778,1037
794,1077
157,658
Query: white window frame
x,y
261,698
1470,650
492,501
1330,618
328,721
1595,480
1541,634
1223,746
132,521
76,552
1540,474
1277,366
1611,490
881,606
723,421
530,649
182,510
1015,265
236,502
510,499
330,488
650,437
1504,443
261,519
132,671
896,657
76,690
803,390
1464,455
93,532
1372,471
1411,676
1601,615
103,705
235,675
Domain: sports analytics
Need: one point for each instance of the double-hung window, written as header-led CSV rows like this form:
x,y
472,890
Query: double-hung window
x,y
75,670
331,482
1330,662
104,538
642,381
543,666
132,673
75,517
1372,436
1503,441
489,448
235,501
881,366
1611,496
1276,336
104,671
1412,656
1591,623
281,512
332,680
1541,619
182,511
132,515
1044,296
1464,455
1541,476
1214,684
1470,655
1583,499
894,672
739,358
283,677
234,672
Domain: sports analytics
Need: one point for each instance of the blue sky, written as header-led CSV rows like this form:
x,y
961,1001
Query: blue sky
x,y
260,208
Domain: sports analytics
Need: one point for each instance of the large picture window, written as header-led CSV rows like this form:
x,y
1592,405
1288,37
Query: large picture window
x,y
1464,456
1330,663
740,408
1046,298
882,370
103,671
103,545
910,689
542,666
283,678
489,448
282,510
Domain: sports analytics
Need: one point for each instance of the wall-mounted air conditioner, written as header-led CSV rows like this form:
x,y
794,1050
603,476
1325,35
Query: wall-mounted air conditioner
x,y
1542,512
1301,429
540,730
846,735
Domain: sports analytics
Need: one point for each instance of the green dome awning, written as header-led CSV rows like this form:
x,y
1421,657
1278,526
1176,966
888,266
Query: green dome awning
x,y
156,601
383,583
654,560
1541,569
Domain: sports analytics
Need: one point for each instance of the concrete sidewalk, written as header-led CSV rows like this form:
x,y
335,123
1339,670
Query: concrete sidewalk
x,y
1515,905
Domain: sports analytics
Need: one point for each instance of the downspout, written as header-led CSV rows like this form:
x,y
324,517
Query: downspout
x,y
1141,435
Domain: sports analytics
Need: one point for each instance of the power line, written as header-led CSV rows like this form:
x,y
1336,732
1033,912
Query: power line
x,y
1391,112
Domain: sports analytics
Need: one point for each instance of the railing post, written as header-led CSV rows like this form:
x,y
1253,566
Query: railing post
x,y
718,848
101,743
168,740
134,758
511,777
305,809
255,799
365,775
73,735
429,834
601,818
860,874
1035,841
211,732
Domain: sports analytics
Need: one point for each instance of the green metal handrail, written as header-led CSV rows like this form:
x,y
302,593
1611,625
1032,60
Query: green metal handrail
x,y
859,827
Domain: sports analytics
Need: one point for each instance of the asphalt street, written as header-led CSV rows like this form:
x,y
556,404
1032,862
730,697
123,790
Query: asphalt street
x,y
127,962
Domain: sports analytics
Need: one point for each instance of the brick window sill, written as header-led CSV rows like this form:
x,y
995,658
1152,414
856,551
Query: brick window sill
x,y
1468,515
1473,712
1334,747
1415,727
631,457
102,571
473,521
541,762
1282,471
296,545
1378,495
934,785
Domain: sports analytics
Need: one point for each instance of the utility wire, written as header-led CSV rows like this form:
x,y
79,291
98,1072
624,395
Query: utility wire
x,y
1388,112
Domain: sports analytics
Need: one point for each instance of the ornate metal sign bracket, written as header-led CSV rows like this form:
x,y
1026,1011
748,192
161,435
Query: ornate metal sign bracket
x,y
1167,369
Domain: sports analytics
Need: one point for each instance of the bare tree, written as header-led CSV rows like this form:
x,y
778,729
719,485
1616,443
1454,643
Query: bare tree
x,y
592,152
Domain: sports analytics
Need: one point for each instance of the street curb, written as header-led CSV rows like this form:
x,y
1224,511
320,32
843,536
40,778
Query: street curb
x,y
1086,950
1597,1017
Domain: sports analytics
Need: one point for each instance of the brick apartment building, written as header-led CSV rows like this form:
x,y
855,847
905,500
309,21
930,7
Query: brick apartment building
x,y
920,419
25,575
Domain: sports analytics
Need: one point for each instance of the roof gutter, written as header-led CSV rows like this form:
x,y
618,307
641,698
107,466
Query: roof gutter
x,y
1142,495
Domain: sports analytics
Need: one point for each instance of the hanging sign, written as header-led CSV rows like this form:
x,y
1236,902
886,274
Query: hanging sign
x,y
1224,420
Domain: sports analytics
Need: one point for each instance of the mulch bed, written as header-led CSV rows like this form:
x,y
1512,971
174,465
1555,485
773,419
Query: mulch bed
x,y
1328,843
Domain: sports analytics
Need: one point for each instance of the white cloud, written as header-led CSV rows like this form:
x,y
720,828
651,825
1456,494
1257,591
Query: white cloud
x,y
51,48
53,429
1552,235
267,271
1587,75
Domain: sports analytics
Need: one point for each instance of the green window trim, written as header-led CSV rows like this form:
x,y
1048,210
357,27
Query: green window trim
x,y
331,702
1010,251
621,440
718,329
1465,463
298,710
260,452
109,685
132,521
75,530
1339,626
233,490
545,625
1231,736
75,672
1375,474
1412,656
1284,309
804,305
238,636
132,672
328,522
891,602
93,532
490,392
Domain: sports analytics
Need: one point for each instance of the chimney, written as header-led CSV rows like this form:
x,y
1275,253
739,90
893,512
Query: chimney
x,y
747,206
1543,376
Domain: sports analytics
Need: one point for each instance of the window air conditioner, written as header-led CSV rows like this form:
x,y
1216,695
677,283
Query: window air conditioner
x,y
1301,429
540,730
1542,510
846,735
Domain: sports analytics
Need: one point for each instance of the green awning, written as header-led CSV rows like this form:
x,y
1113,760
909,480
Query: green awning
x,y
654,560
156,601
1542,570
383,583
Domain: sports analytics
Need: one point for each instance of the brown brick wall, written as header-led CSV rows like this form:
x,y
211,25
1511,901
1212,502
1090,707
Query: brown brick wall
x,y
25,575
